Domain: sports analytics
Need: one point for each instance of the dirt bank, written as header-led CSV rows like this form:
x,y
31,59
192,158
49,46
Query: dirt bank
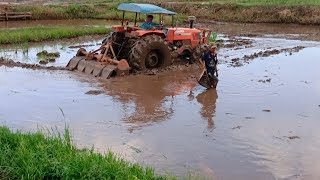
x,y
249,14
301,14
11,63
246,58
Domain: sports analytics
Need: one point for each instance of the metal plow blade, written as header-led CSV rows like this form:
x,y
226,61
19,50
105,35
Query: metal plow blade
x,y
99,64
94,68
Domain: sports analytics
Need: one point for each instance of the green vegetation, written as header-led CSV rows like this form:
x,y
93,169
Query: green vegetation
x,y
92,11
257,2
35,156
213,37
60,12
245,12
40,33
277,2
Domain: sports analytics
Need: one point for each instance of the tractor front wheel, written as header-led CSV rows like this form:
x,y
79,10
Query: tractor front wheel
x,y
150,52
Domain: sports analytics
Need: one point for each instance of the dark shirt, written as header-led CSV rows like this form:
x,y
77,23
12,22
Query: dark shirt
x,y
210,61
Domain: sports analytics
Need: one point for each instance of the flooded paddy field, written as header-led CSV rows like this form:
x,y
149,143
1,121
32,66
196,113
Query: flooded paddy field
x,y
260,123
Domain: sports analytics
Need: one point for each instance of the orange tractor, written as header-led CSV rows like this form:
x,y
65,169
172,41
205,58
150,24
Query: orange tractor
x,y
133,48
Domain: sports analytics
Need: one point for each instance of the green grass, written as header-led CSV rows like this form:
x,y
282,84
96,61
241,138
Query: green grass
x,y
71,11
40,33
36,156
276,2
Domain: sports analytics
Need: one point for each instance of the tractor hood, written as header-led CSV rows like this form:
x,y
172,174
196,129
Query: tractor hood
x,y
144,8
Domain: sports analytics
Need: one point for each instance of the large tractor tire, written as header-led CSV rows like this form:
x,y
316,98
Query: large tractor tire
x,y
150,52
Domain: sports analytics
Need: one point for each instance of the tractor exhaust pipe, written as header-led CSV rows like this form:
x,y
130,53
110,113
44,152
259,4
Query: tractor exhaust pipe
x,y
191,20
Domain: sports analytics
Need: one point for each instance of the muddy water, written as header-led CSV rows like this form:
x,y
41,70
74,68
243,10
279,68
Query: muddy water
x,y
289,31
27,52
261,122
66,48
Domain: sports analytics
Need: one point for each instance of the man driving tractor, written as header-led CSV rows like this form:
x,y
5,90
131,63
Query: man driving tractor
x,y
148,24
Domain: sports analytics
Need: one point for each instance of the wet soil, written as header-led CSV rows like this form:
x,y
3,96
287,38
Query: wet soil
x,y
95,92
260,123
65,48
266,53
11,63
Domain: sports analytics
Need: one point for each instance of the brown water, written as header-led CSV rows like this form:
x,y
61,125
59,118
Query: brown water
x,y
249,128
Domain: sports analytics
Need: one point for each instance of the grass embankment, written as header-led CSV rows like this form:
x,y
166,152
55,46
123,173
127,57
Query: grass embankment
x,y
256,2
40,33
271,11
35,156
94,10
251,11
73,11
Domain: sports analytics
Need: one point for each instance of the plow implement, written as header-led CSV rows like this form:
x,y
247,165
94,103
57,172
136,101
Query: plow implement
x,y
99,63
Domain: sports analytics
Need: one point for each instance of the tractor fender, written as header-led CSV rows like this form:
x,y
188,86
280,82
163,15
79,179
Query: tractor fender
x,y
143,33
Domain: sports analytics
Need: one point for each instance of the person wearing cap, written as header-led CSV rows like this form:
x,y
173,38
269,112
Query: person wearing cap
x,y
148,24
209,62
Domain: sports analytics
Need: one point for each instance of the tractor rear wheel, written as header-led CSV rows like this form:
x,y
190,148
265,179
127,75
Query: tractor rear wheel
x,y
150,52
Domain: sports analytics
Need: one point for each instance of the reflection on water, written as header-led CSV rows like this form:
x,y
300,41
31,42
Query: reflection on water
x,y
174,114
167,120
208,99
148,99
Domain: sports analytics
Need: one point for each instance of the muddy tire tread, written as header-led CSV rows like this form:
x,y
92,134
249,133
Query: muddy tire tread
x,y
142,47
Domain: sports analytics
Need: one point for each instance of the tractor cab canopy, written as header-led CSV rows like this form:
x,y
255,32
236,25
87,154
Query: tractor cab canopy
x,y
145,9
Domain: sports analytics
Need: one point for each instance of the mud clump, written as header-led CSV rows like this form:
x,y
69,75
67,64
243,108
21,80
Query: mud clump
x,y
262,54
248,117
150,72
293,137
265,81
237,127
11,63
47,54
46,57
80,46
94,92
249,35
232,43
236,61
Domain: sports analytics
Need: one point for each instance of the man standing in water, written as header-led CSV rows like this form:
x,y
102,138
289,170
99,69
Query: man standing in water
x,y
209,63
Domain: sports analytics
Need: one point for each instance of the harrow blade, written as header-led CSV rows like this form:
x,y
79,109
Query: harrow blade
x,y
94,68
73,63
98,65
